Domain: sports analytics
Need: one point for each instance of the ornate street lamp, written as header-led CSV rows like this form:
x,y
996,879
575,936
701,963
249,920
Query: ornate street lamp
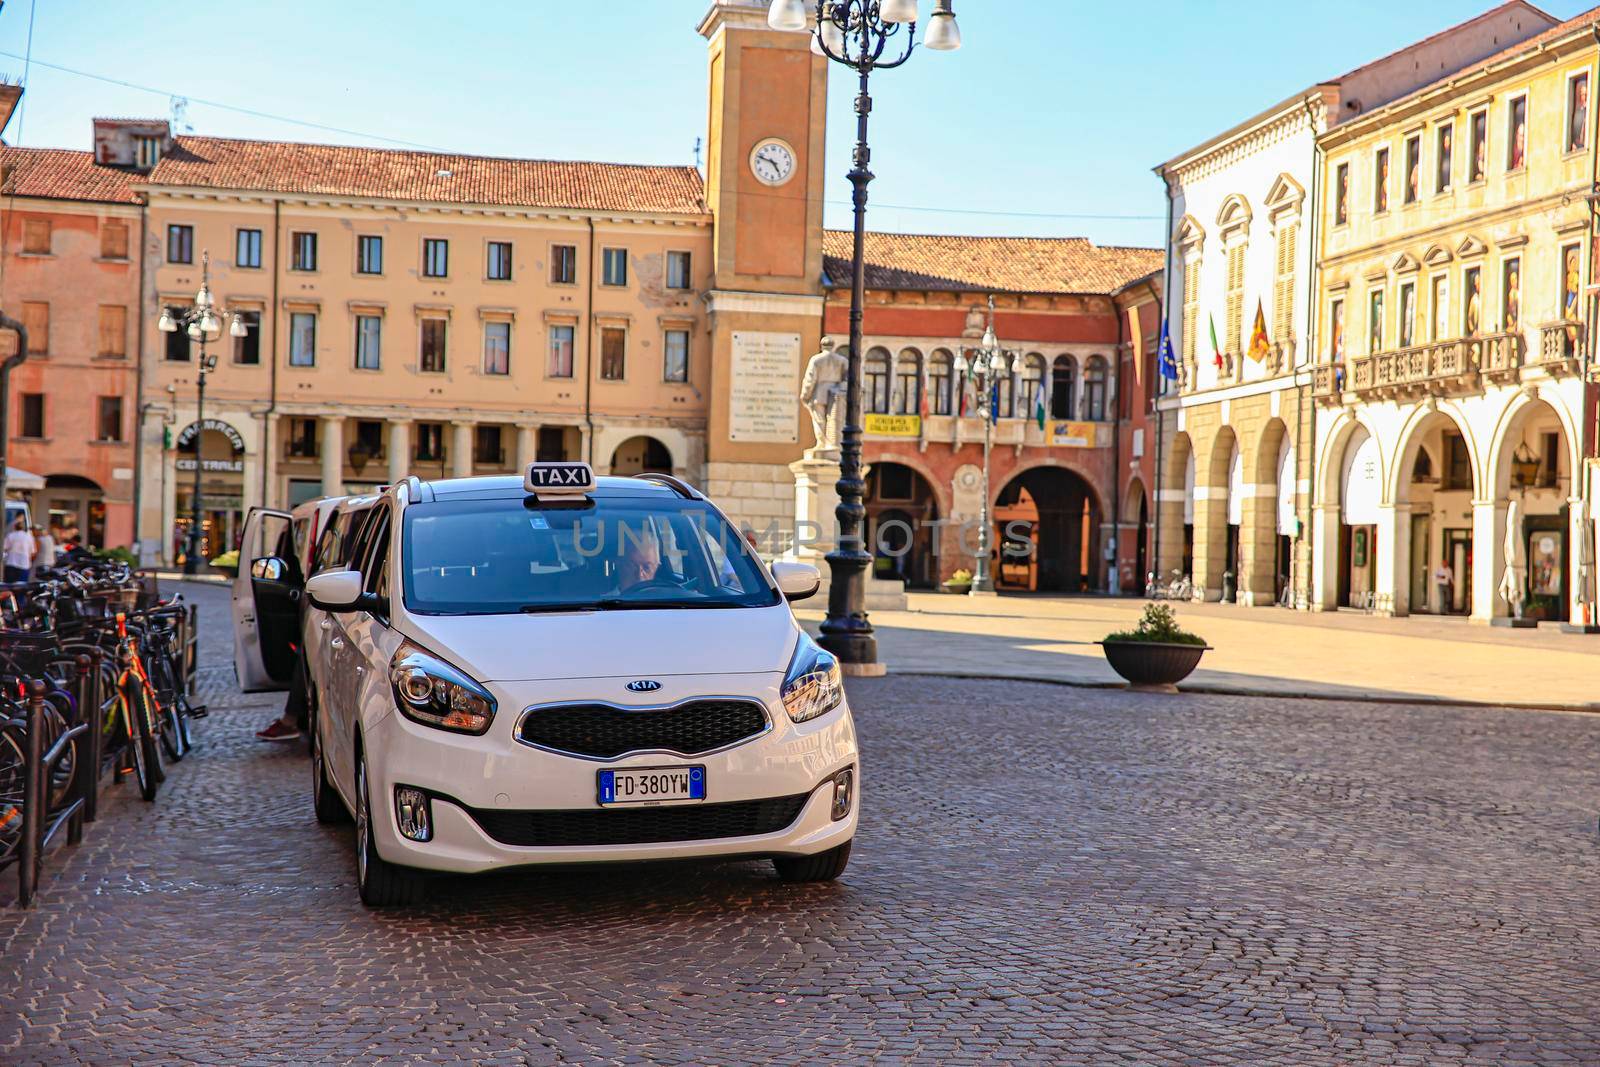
x,y
857,33
202,324
987,364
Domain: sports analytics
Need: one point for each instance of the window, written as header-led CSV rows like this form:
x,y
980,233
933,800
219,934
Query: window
x,y
430,441
247,349
113,240
560,365
435,258
302,339
1341,194
1001,396
1375,322
675,358
36,237
1517,135
369,254
1095,373
146,151
434,333
180,244
1063,388
1457,463
1408,314
1283,290
1439,309
486,446
875,385
1232,339
302,443
1472,310
1550,453
614,267
907,398
1571,282
499,269
939,366
497,348
678,273
1478,143
369,440
36,317
563,264
1191,310
1032,382
1445,145
613,353
1336,332
113,331
1413,168
1511,294
1380,182
177,343
369,342
108,419
32,415
304,256
552,444
247,249
1578,113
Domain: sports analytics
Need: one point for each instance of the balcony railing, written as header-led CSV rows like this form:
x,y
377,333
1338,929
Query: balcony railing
x,y
1560,347
1499,355
1327,382
1442,366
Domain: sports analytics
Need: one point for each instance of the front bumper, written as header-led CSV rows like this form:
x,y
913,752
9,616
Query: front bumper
x,y
486,792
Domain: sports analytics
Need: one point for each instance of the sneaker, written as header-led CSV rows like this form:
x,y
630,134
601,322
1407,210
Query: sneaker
x,y
278,732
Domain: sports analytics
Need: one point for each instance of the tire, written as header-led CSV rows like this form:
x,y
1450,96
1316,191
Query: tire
x,y
823,867
325,799
13,773
147,751
134,753
174,742
381,884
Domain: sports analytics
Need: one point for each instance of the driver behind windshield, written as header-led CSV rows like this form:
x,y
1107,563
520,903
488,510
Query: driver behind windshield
x,y
641,557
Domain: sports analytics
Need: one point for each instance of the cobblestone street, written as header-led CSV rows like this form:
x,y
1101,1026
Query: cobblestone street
x,y
1044,874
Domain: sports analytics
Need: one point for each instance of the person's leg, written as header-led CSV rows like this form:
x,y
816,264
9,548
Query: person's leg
x,y
292,723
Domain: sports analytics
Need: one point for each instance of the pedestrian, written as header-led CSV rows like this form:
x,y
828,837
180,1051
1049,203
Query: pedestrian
x,y
46,540
1444,579
18,550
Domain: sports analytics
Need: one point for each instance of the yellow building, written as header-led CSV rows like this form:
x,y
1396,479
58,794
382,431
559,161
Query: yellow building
x,y
1455,323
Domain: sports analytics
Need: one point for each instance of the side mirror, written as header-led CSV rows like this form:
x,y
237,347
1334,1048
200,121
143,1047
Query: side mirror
x,y
797,581
269,569
340,591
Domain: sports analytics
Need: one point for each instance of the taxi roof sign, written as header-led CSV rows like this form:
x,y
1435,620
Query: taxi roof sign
x,y
559,479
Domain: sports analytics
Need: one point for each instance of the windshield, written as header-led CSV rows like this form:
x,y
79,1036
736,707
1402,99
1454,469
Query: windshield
x,y
493,557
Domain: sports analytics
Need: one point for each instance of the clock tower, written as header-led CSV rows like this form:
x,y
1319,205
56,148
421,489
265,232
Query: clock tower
x,y
764,178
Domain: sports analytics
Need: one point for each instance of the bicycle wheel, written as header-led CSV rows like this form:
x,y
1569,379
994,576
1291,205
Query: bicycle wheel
x,y
13,778
147,749
56,724
174,724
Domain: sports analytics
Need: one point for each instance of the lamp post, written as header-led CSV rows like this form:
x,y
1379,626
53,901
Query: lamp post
x,y
987,364
857,33
201,322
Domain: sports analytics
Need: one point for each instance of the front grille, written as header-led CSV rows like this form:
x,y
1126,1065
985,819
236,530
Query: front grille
x,y
603,731
637,826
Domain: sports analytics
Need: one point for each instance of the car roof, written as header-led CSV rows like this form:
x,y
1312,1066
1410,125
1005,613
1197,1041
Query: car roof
x,y
492,487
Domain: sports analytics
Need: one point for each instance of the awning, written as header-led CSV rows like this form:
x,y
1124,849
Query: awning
x,y
22,481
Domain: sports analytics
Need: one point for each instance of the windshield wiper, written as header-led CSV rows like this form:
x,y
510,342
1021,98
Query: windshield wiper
x,y
619,604
541,609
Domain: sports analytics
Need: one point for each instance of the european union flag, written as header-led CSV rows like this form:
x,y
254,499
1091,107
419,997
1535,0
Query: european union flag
x,y
994,401
1169,362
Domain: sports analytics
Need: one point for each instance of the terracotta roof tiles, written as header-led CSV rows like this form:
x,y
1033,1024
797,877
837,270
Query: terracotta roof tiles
x,y
989,264
62,174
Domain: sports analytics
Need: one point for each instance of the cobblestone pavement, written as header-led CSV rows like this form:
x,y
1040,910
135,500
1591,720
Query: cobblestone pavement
x,y
1044,874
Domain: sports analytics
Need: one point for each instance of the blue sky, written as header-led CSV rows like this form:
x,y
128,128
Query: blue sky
x,y
1047,122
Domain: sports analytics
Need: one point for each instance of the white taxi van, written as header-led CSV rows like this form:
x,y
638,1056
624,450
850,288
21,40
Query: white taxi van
x,y
561,669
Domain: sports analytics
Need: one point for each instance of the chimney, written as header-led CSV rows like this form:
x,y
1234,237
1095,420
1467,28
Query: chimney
x,y
9,95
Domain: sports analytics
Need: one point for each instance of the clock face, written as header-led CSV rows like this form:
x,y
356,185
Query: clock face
x,y
772,162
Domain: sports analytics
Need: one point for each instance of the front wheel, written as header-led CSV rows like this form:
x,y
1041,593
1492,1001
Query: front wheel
x,y
381,884
823,867
147,749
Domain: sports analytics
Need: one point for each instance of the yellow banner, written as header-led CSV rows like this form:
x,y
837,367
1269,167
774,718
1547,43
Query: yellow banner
x,y
1074,434
894,425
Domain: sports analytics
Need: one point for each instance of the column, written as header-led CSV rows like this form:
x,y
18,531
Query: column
x,y
1169,504
268,483
1392,581
527,446
461,449
1577,519
399,450
1325,519
585,432
1488,559
1258,547
1210,541
169,504
332,451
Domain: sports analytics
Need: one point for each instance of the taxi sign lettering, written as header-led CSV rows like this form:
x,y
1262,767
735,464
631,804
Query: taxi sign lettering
x,y
559,478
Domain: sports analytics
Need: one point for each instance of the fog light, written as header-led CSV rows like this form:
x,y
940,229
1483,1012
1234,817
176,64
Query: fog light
x,y
412,812
843,784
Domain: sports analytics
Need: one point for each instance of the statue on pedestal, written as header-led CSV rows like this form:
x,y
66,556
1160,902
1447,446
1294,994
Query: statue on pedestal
x,y
822,391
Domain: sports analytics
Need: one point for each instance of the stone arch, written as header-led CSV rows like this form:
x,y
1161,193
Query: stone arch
x,y
1052,512
1330,461
902,507
1512,418
1419,422
641,454
1549,527
939,484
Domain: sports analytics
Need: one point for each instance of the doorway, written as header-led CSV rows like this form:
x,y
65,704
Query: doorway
x,y
1422,565
1458,553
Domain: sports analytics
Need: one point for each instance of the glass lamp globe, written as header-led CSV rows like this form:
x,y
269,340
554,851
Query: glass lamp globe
x,y
787,15
167,324
237,328
833,36
943,35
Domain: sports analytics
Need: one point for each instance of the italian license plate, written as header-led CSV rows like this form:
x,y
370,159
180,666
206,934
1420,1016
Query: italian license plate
x,y
652,785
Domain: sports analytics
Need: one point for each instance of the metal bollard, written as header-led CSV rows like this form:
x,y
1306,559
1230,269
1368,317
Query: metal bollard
x,y
33,798
88,769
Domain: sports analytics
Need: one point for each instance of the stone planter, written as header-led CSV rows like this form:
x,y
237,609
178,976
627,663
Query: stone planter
x,y
1153,666
959,588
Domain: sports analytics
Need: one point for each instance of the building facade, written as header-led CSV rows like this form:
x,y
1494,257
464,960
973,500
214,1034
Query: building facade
x,y
1237,436
1455,414
1072,318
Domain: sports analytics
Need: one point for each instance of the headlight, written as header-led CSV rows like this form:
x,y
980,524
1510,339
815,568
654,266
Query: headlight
x,y
813,684
430,691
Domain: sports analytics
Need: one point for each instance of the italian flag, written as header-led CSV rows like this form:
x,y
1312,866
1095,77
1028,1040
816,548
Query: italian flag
x,y
1038,401
1215,348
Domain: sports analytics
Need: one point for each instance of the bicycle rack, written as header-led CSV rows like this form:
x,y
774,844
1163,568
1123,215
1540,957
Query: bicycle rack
x,y
40,827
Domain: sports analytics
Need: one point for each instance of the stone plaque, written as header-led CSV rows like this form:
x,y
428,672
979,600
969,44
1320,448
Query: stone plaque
x,y
764,399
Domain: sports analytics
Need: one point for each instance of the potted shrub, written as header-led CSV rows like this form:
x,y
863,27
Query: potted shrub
x,y
1158,654
228,563
959,582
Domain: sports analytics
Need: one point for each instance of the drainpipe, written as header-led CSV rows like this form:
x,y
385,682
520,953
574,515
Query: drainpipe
x,y
588,353
1160,384
1113,571
272,353
11,362
1303,506
139,406
1586,447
